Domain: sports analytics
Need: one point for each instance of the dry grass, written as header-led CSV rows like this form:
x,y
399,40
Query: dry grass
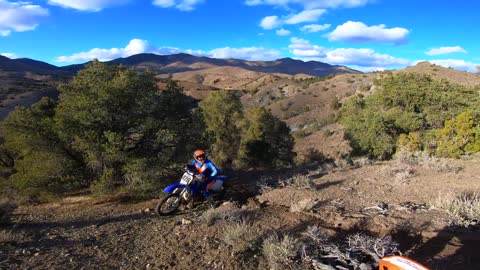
x,y
9,237
362,162
375,247
225,212
266,184
356,251
438,164
301,182
280,253
241,236
303,205
400,171
463,208
425,160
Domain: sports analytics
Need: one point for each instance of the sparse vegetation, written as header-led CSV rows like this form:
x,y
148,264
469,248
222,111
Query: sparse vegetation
x,y
7,236
400,171
463,208
240,236
356,251
280,252
225,212
428,161
301,182
303,205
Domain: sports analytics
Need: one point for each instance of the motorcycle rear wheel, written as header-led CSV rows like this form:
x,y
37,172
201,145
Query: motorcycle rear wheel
x,y
168,204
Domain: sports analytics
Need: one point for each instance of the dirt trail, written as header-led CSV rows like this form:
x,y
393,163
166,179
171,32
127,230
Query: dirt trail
x,y
87,233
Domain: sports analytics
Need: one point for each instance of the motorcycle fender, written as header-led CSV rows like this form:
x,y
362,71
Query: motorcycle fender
x,y
172,187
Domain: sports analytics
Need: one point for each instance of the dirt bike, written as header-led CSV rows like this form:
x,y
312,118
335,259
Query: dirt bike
x,y
186,190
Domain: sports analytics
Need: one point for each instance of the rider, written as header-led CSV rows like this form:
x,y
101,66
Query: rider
x,y
207,170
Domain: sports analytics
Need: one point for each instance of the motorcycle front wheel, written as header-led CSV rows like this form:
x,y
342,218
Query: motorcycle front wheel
x,y
168,204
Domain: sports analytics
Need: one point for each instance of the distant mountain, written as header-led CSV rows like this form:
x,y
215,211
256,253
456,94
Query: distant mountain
x,y
22,65
175,63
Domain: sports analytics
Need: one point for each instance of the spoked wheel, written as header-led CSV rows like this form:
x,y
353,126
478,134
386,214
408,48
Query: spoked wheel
x,y
168,205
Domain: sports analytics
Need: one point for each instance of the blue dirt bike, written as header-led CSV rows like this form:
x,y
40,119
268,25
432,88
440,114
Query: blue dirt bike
x,y
186,190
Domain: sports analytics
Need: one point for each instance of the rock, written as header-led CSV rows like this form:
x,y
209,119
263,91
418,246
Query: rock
x,y
186,221
364,266
148,210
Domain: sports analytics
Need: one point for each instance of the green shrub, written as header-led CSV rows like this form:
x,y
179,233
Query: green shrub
x,y
265,142
222,112
403,103
410,143
107,119
461,135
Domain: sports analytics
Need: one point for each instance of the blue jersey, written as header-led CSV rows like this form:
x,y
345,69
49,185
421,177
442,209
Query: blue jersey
x,y
207,168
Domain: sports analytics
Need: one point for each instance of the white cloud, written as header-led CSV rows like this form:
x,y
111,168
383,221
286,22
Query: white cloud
x,y
9,55
302,48
87,5
283,32
360,32
365,58
249,53
164,3
19,16
446,50
311,4
313,28
184,5
306,16
136,46
367,69
454,63
270,22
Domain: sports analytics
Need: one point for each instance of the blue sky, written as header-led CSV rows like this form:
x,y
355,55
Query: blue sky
x,y
363,34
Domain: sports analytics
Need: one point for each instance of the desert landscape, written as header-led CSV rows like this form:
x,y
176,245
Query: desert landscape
x,y
405,201
250,134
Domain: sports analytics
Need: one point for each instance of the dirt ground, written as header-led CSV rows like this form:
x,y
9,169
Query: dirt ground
x,y
84,232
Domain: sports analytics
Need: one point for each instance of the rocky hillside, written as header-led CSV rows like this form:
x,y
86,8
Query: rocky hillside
x,y
439,73
25,81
